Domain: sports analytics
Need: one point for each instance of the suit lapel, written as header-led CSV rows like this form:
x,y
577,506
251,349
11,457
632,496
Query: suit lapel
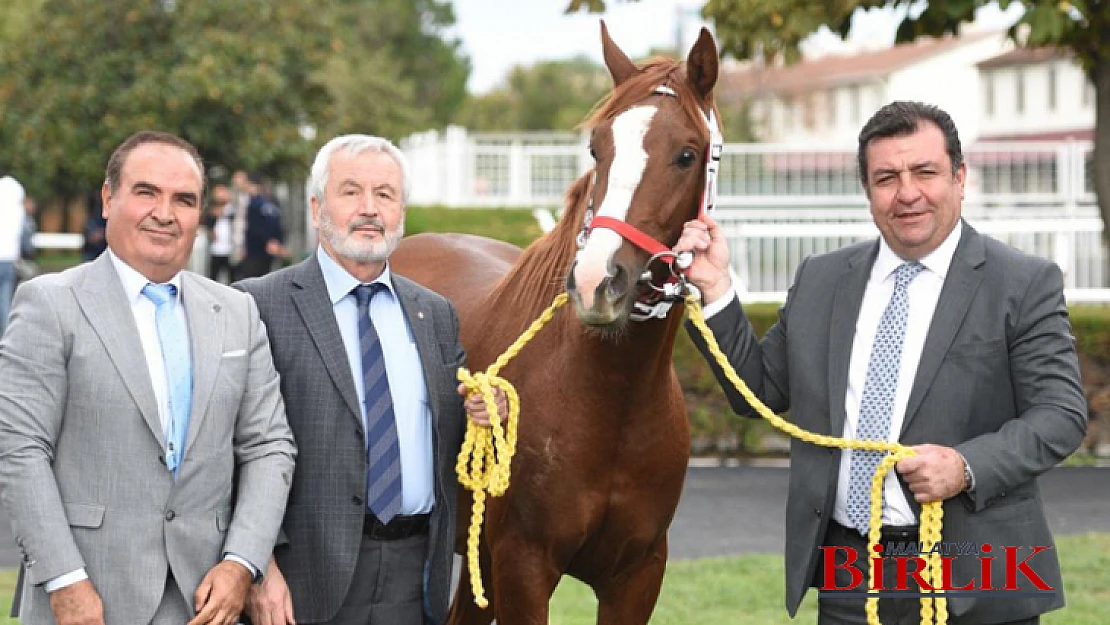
x,y
420,322
105,304
313,303
960,286
847,300
206,336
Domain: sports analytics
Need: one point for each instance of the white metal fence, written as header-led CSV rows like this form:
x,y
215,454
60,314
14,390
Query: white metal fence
x,y
779,204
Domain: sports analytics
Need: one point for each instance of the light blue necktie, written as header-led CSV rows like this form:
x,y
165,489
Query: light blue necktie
x,y
174,339
877,402
383,453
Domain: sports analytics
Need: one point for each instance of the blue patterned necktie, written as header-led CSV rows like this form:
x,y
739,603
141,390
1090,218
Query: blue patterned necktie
x,y
174,339
383,453
879,387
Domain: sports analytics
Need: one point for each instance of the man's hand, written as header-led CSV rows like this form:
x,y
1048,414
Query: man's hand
x,y
936,473
270,603
709,271
476,406
78,604
221,594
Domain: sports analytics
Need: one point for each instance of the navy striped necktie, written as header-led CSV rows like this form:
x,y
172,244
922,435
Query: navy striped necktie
x,y
383,453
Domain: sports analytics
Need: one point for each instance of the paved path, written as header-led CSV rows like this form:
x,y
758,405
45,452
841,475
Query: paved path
x,y
727,511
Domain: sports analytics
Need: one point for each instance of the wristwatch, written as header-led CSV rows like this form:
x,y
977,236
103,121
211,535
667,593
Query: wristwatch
x,y
968,478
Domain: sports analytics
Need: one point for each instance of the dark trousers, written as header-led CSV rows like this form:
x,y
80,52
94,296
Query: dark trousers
x,y
219,269
388,583
850,610
253,267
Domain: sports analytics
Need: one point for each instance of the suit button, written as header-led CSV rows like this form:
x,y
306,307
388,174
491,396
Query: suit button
x,y
817,511
170,514
356,500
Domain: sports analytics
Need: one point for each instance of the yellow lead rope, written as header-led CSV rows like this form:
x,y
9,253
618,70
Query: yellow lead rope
x,y
487,452
933,610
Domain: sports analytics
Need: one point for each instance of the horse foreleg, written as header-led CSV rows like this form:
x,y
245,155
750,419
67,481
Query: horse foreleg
x,y
629,598
524,578
463,609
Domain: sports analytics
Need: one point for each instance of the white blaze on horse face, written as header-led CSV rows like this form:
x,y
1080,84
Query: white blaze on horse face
x,y
629,161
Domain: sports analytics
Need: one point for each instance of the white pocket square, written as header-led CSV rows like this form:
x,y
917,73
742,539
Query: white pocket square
x,y
234,354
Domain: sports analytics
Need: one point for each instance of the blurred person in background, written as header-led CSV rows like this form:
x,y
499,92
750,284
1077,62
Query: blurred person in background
x,y
264,236
25,267
95,227
11,233
218,222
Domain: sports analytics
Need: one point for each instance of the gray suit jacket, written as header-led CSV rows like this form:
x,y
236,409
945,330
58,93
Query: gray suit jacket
x,y
323,522
82,474
998,380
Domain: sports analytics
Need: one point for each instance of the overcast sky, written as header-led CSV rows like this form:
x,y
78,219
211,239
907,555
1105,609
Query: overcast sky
x,y
498,34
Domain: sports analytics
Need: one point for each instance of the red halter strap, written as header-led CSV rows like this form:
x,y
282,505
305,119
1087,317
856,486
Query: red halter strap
x,y
633,234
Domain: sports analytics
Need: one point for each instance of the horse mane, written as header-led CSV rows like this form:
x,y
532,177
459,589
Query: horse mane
x,y
540,273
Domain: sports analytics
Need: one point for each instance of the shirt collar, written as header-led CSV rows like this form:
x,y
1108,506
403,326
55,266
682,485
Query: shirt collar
x,y
340,282
133,281
938,261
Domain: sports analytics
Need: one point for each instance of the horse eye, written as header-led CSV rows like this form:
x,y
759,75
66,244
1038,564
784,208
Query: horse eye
x,y
593,153
686,158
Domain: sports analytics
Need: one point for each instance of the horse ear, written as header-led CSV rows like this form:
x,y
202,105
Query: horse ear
x,y
701,66
621,68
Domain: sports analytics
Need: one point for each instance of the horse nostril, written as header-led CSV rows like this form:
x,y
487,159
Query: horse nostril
x,y
618,284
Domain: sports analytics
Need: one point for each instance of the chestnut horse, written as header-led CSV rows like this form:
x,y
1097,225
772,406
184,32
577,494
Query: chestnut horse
x,y
603,439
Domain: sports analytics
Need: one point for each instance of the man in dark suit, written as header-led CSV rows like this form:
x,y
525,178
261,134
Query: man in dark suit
x,y
933,336
368,363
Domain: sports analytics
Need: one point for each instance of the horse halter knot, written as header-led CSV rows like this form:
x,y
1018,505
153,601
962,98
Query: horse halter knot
x,y
657,303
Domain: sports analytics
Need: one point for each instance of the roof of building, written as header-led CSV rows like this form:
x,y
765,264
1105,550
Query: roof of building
x,y
820,73
1025,56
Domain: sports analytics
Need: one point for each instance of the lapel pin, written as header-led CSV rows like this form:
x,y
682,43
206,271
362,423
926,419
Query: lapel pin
x,y
420,314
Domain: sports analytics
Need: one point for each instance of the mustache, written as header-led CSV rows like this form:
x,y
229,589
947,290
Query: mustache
x,y
363,222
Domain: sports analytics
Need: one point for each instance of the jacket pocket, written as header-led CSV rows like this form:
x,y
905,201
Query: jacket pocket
x,y
84,514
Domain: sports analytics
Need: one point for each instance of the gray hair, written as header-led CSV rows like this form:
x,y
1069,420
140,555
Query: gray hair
x,y
355,145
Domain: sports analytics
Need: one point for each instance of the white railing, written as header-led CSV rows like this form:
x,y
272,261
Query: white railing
x,y
781,203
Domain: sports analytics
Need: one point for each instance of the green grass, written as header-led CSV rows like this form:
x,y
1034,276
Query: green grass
x,y
517,226
749,589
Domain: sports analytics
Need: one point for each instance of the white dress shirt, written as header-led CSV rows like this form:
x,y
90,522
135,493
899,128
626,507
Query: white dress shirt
x,y
403,369
923,294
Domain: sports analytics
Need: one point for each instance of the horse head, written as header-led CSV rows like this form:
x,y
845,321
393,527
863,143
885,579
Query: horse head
x,y
651,141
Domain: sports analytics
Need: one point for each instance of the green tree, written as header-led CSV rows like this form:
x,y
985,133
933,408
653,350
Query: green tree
x,y
550,95
85,74
244,80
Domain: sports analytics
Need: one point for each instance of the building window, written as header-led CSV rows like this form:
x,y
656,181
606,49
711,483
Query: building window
x,y
830,102
1019,97
1051,87
988,94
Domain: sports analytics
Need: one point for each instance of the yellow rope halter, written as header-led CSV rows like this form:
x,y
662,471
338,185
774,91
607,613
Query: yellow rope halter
x,y
486,455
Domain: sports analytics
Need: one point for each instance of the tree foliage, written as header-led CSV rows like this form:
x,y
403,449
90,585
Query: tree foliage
x,y
242,79
550,95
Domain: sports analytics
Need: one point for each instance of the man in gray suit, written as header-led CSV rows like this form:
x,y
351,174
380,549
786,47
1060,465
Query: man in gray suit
x,y
145,458
368,363
933,336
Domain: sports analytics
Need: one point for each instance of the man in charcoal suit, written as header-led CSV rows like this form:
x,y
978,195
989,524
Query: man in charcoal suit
x,y
933,336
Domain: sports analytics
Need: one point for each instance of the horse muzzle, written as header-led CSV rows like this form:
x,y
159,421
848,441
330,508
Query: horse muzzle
x,y
602,301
